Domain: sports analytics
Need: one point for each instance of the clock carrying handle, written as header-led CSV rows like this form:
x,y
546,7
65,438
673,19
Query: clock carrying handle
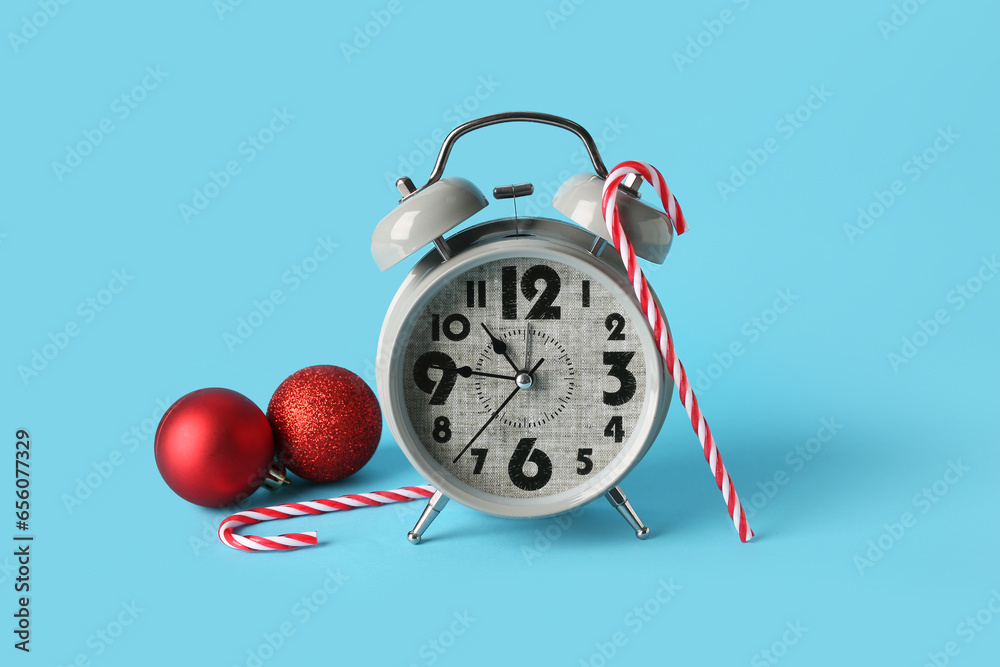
x,y
512,116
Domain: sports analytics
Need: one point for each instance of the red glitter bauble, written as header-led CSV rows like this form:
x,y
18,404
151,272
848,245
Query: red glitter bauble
x,y
326,421
214,447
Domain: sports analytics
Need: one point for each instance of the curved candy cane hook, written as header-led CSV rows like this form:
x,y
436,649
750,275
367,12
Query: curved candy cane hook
x,y
289,510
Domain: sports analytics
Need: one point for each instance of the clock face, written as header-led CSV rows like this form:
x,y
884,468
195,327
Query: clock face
x,y
525,377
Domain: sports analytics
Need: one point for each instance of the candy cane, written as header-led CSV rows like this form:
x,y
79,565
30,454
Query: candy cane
x,y
289,510
657,320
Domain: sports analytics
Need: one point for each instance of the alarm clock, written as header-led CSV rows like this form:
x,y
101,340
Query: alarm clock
x,y
515,367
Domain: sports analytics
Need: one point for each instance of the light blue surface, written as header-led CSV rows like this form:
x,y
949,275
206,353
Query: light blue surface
x,y
486,590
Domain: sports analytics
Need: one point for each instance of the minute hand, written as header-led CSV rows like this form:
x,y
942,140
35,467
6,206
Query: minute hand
x,y
493,416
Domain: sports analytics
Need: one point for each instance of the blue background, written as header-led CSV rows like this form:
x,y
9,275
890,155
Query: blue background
x,y
360,119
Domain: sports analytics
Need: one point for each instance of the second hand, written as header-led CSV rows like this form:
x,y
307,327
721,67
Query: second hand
x,y
495,414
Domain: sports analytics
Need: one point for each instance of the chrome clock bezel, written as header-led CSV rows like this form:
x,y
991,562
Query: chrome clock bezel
x,y
543,239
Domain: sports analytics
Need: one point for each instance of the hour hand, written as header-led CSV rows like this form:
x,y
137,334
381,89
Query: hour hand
x,y
466,371
500,348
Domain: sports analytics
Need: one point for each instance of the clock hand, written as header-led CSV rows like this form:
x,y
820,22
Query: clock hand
x,y
527,342
466,371
495,414
488,422
500,347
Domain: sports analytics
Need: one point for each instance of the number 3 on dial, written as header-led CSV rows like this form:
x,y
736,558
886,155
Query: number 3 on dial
x,y
626,390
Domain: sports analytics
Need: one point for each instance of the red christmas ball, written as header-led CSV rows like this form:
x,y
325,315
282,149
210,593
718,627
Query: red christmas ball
x,y
214,447
326,421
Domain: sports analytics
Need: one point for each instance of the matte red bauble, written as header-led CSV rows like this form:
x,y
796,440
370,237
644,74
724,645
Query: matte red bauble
x,y
326,421
214,447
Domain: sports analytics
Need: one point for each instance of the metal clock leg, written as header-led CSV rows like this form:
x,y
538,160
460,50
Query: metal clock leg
x,y
620,502
434,507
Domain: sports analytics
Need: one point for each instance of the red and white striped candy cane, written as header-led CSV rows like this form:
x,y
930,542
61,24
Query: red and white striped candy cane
x,y
289,510
657,320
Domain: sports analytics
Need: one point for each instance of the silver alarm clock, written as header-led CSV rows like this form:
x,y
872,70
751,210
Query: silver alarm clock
x,y
515,366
